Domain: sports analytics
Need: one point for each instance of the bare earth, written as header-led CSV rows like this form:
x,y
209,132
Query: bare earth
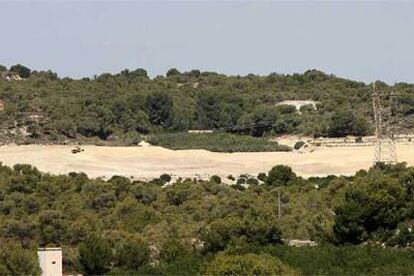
x,y
149,162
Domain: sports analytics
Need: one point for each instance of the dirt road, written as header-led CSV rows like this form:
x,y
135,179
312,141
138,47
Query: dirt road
x,y
150,162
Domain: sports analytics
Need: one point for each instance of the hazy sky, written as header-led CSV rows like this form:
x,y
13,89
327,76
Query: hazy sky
x,y
362,41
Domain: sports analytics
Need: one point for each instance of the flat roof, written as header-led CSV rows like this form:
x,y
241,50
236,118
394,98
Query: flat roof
x,y
49,249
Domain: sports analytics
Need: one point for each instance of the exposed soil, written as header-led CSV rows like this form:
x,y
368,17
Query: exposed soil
x,y
150,162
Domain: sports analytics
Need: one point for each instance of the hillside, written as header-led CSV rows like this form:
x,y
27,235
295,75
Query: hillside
x,y
121,108
191,227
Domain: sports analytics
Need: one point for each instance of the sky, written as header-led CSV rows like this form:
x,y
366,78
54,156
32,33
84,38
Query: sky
x,y
361,41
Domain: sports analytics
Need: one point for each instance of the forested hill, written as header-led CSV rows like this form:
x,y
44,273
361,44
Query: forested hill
x,y
40,106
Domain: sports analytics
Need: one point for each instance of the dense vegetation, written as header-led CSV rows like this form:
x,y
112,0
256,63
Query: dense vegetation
x,y
121,108
220,142
193,227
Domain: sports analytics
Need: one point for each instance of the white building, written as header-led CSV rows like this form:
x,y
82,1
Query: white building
x,y
298,104
50,261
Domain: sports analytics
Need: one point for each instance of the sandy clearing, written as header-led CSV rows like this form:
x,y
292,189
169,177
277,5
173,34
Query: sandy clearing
x,y
150,162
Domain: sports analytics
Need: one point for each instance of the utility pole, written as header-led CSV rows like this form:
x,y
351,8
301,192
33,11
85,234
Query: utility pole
x,y
385,150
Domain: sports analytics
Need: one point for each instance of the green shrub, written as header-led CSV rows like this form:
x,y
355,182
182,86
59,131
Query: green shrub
x,y
218,234
238,187
132,253
241,181
372,208
262,176
14,260
95,254
177,194
298,145
158,181
165,177
173,250
246,264
345,260
218,142
280,175
252,181
216,179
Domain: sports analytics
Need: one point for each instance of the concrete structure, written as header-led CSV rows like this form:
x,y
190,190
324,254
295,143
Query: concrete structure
x,y
298,104
300,243
50,261
200,131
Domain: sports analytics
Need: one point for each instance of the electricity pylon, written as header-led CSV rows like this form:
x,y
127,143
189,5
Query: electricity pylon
x,y
385,150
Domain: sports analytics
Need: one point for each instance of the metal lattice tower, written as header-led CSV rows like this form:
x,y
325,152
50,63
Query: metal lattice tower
x,y
385,150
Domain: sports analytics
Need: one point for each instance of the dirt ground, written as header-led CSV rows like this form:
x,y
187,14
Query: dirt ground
x,y
149,162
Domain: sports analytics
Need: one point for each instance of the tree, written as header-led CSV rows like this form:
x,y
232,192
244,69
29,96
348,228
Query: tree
x,y
247,264
53,227
165,177
173,72
280,175
208,110
216,179
256,230
88,127
146,193
361,126
159,108
195,73
371,207
139,73
45,75
261,120
21,70
177,194
67,127
95,254
344,122
132,252
14,260
173,250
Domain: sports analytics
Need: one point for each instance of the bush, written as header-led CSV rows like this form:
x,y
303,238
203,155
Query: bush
x,y
217,142
165,177
95,254
252,181
218,234
173,250
216,179
247,264
14,260
21,70
280,175
345,260
132,253
344,122
372,208
158,181
262,176
177,194
238,187
298,145
241,181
